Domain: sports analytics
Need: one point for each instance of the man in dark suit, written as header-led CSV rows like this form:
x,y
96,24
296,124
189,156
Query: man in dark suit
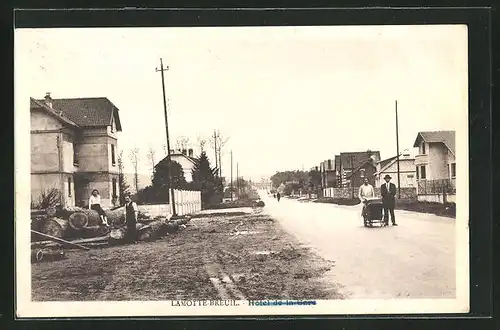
x,y
388,192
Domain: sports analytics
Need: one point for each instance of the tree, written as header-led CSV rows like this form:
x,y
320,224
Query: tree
x,y
134,158
151,157
218,142
201,143
182,142
122,183
159,190
205,179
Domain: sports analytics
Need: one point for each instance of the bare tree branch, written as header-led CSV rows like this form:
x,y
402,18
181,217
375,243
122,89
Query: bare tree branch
x,y
151,157
134,157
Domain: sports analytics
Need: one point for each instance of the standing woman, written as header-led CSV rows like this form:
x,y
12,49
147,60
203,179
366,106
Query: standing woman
x,y
95,204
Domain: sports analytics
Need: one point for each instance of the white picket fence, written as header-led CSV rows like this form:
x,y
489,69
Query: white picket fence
x,y
186,201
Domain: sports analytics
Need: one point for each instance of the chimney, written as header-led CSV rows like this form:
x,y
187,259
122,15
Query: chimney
x,y
48,99
184,151
190,152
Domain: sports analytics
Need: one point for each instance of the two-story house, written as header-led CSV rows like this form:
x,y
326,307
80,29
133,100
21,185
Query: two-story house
x,y
74,149
436,155
435,162
389,166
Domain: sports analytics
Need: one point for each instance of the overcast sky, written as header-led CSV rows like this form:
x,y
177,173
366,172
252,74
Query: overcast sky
x,y
286,97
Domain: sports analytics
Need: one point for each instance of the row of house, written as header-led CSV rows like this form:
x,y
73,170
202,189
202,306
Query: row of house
x,y
432,167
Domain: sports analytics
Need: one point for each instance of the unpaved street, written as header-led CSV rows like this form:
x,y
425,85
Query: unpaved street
x,y
414,260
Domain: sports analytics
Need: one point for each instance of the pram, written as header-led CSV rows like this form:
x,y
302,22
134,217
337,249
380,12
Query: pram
x,y
373,212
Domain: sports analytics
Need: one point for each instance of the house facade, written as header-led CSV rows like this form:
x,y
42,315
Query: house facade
x,y
435,162
74,149
354,167
436,155
407,172
328,174
185,158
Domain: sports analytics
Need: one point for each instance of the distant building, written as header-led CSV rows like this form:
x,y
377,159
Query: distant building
x,y
354,167
328,175
73,149
185,158
389,166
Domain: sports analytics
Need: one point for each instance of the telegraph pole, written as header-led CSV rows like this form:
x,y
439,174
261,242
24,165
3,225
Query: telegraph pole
x,y
352,176
174,213
397,147
231,175
215,149
238,180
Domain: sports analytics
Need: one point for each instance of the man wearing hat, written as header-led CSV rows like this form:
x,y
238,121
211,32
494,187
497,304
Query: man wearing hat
x,y
388,192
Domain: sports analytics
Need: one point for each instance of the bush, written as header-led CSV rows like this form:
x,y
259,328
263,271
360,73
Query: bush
x,y
48,198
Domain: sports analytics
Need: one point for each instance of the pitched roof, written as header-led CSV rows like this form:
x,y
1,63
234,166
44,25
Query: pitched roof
x,y
446,137
88,111
35,104
191,159
358,158
386,163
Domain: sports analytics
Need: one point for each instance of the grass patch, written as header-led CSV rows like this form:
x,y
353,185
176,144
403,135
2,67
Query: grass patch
x,y
338,201
445,210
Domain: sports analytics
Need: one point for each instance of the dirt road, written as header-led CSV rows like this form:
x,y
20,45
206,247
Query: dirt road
x,y
415,259
235,255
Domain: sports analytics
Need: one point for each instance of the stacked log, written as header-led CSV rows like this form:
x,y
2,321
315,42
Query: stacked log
x,y
55,227
46,255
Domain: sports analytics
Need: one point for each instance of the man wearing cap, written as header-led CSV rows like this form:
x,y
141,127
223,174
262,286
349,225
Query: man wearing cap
x,y
388,192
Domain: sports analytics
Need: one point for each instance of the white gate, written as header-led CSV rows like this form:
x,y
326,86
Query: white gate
x,y
186,201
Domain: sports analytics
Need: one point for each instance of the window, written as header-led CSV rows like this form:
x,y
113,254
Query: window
x,y
362,172
416,171
453,171
423,148
113,158
329,164
69,186
422,172
75,156
114,187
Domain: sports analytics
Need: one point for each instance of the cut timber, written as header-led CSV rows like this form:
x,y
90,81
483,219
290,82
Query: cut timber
x,y
46,255
89,218
36,255
55,227
91,240
152,231
117,234
94,231
59,240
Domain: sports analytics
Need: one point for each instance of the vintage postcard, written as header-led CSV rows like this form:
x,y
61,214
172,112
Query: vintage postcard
x,y
210,171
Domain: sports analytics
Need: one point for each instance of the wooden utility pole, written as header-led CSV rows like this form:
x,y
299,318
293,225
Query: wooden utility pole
x,y
172,197
215,150
397,154
238,180
231,175
352,176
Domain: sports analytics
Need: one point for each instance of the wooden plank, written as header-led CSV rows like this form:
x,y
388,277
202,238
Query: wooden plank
x,y
60,240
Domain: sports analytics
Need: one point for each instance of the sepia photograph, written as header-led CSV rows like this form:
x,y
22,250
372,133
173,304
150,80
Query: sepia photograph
x,y
196,171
